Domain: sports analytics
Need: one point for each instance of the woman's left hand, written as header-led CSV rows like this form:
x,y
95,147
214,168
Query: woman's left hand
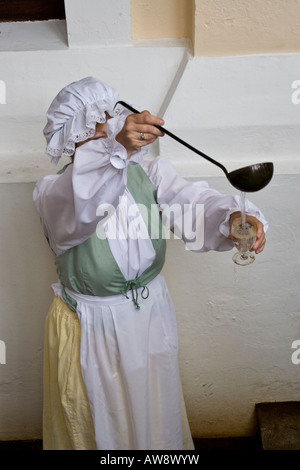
x,y
260,241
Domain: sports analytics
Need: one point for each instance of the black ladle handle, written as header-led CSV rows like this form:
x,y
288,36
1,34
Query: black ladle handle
x,y
178,139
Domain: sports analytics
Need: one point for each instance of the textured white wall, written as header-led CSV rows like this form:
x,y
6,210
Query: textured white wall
x,y
236,325
92,22
239,110
26,269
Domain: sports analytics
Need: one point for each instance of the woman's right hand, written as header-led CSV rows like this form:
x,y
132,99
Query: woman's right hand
x,y
139,130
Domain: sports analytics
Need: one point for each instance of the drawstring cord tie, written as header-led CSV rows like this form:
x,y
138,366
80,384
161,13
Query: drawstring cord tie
x,y
134,286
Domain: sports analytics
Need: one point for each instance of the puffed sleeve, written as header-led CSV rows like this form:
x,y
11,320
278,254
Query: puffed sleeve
x,y
193,211
67,203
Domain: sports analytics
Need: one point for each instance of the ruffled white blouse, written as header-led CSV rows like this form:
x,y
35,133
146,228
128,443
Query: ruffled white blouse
x,y
72,204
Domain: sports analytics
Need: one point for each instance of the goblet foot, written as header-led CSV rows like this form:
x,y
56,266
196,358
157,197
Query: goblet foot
x,y
243,259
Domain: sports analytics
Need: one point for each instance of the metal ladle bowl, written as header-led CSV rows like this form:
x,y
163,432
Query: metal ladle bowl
x,y
251,178
247,179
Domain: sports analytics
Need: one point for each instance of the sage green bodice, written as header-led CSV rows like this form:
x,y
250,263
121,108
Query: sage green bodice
x,y
91,269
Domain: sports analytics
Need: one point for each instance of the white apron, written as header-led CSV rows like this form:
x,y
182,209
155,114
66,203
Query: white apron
x,y
129,366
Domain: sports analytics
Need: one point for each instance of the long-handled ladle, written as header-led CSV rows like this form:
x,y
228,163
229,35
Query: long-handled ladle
x,y
247,179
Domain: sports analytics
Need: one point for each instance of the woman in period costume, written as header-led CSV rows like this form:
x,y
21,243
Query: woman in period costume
x,y
111,378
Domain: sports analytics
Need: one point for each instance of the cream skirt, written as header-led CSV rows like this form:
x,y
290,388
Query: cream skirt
x,y
85,412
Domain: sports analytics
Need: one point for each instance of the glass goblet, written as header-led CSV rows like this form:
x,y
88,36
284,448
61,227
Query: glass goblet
x,y
243,234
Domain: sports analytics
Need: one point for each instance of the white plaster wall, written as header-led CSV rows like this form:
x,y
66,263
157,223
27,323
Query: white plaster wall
x,y
104,23
236,325
141,74
239,110
26,270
